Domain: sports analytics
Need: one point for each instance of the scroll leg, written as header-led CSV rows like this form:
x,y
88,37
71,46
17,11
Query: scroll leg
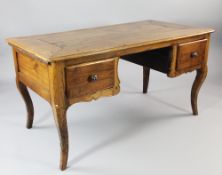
x,y
28,102
61,123
146,75
200,77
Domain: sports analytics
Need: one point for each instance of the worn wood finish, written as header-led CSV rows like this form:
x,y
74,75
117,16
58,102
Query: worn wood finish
x,y
61,123
25,94
28,102
119,40
33,69
133,50
82,65
191,54
34,74
200,77
59,107
146,76
80,82
107,83
172,68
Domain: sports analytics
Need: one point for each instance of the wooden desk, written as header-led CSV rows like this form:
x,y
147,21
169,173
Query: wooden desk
x,y
82,65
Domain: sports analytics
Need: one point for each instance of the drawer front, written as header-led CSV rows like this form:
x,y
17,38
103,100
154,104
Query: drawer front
x,y
86,79
191,54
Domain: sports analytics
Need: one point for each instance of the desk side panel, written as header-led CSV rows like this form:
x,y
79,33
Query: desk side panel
x,y
34,74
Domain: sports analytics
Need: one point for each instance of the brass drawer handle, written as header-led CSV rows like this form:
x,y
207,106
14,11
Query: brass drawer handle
x,y
194,54
93,77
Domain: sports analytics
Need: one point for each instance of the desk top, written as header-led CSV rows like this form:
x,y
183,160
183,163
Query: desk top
x,y
104,41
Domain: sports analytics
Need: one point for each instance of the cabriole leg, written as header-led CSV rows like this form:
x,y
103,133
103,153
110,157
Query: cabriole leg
x,y
59,107
61,123
28,102
200,77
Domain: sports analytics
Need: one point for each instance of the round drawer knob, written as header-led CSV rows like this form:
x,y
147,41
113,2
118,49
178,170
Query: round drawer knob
x,y
93,77
194,54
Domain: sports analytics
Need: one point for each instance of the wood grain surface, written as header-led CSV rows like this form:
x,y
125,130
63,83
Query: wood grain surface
x,y
185,51
78,78
112,41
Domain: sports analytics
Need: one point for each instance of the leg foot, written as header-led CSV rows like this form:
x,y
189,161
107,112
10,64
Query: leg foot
x,y
28,102
61,123
200,77
146,75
